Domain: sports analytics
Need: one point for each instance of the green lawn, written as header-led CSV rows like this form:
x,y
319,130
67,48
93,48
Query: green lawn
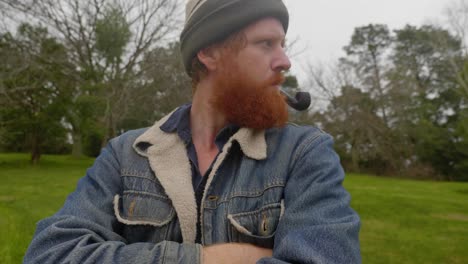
x,y
28,194
402,221
407,221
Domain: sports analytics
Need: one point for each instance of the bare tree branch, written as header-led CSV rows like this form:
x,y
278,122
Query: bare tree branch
x,y
152,23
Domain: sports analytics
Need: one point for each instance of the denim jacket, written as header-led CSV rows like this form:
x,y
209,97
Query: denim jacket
x,y
279,188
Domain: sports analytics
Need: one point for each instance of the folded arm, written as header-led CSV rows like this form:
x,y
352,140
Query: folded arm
x,y
85,230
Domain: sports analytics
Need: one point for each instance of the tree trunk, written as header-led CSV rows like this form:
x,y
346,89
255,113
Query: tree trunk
x,y
355,158
77,148
110,130
35,150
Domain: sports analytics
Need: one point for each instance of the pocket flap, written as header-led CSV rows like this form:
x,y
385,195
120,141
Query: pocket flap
x,y
258,223
143,209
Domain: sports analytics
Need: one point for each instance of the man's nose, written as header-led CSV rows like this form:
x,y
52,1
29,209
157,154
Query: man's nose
x,y
281,61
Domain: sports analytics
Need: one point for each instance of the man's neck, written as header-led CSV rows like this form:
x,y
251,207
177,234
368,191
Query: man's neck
x,y
205,120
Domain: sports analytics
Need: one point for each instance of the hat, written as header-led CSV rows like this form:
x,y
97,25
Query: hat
x,y
211,21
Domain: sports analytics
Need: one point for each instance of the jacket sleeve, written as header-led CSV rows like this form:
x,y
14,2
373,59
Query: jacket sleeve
x,y
318,225
84,230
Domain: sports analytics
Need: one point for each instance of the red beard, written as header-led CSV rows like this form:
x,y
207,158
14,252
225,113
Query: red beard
x,y
249,103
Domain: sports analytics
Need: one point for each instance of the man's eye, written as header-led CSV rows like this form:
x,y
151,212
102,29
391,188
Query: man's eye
x,y
267,43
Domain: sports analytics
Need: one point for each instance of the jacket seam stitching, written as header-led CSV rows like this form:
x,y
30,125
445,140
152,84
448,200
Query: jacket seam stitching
x,y
146,193
263,208
257,193
124,173
308,142
227,200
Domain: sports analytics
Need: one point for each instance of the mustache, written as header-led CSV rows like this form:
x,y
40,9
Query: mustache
x,y
277,79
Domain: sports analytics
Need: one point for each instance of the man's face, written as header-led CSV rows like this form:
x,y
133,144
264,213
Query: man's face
x,y
248,80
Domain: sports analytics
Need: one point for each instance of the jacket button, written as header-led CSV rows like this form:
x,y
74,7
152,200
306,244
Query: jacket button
x,y
213,198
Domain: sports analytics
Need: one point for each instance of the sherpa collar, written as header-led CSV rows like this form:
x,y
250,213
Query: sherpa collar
x,y
167,156
251,141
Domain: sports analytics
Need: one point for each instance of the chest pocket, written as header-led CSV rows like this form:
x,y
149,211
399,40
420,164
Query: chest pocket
x,y
146,217
256,227
135,208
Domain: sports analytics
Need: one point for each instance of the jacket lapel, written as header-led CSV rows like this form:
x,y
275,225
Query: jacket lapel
x,y
168,160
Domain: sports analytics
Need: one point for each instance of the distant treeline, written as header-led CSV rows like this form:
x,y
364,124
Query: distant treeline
x,y
74,74
397,103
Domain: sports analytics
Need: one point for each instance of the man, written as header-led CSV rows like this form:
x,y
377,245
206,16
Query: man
x,y
221,180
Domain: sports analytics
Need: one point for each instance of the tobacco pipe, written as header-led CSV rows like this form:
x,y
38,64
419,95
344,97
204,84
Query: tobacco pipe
x,y
300,102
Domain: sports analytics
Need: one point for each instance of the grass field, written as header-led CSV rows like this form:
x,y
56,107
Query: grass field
x,y
407,221
402,221
28,194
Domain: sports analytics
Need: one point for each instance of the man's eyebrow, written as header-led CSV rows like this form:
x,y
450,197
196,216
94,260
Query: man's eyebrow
x,y
270,35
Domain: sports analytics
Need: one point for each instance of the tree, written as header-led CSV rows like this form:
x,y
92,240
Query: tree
x,y
426,95
364,81
163,86
396,102
366,52
457,16
34,89
106,41
361,136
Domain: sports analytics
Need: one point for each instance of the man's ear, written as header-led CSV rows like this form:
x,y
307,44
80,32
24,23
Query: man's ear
x,y
209,57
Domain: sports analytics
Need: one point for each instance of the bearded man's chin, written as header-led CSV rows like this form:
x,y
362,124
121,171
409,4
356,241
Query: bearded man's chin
x,y
258,108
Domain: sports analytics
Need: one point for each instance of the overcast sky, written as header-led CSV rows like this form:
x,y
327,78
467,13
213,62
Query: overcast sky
x,y
325,26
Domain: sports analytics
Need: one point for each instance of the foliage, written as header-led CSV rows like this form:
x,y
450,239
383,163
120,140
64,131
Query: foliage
x,y
427,114
362,138
401,104
163,86
34,89
106,41
112,35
